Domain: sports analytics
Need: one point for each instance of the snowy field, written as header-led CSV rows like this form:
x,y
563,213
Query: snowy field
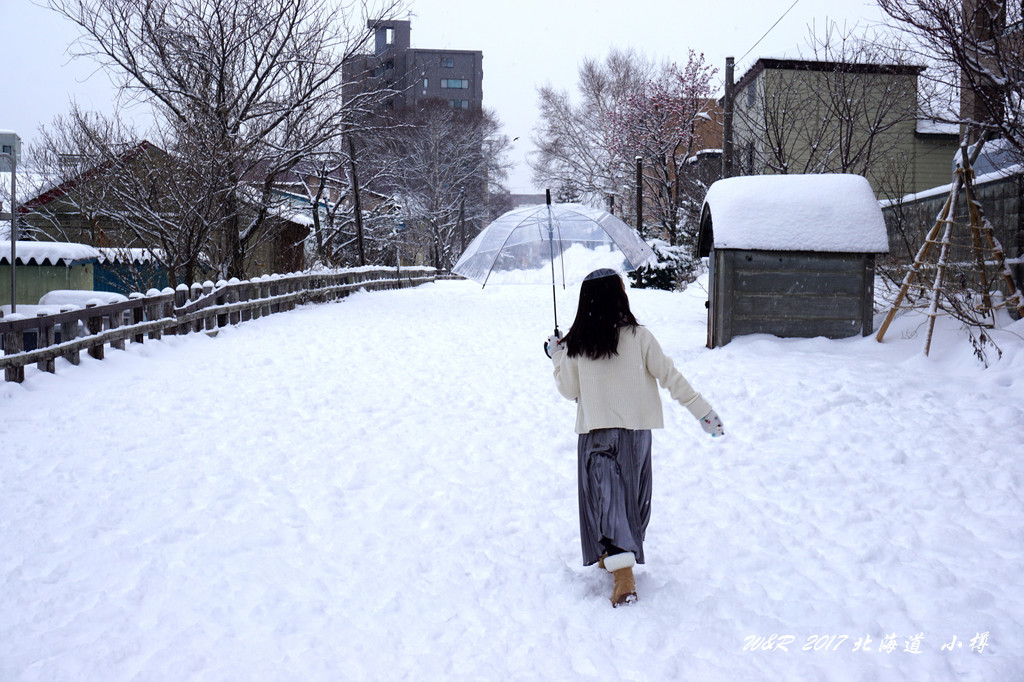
x,y
384,488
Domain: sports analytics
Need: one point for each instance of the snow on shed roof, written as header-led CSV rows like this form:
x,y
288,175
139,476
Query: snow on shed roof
x,y
826,212
48,253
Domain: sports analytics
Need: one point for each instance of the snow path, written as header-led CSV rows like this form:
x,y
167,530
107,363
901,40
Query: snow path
x,y
384,488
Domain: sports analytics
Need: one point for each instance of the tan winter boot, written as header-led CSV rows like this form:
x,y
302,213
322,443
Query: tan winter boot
x,y
621,568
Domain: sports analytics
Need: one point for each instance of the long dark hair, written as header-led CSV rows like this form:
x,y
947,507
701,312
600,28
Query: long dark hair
x,y
603,310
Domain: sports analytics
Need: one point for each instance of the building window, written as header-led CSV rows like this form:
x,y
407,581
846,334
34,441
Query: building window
x,y
447,63
454,84
459,103
389,36
425,83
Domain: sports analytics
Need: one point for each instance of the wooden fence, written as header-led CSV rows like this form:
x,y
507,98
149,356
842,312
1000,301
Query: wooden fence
x,y
199,308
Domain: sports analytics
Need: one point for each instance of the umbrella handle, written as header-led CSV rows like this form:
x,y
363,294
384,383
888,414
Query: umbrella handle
x,y
554,304
558,334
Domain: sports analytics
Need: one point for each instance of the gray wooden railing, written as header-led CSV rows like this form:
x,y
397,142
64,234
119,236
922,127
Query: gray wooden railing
x,y
199,308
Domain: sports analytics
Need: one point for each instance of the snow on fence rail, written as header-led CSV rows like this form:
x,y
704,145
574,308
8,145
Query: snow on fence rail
x,y
201,307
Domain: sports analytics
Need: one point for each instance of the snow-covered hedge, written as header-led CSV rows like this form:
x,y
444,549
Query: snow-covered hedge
x,y
675,266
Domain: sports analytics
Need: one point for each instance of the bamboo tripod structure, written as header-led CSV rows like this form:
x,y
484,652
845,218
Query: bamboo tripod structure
x,y
985,249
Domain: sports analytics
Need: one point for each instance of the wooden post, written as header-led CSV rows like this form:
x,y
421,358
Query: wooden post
x,y
233,294
220,299
180,299
941,264
153,312
922,253
94,324
980,226
168,305
275,289
264,294
974,213
727,108
195,292
46,337
257,294
245,295
138,314
68,332
946,218
210,319
291,288
14,343
116,318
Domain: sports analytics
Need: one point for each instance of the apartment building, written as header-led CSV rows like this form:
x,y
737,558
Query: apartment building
x,y
417,75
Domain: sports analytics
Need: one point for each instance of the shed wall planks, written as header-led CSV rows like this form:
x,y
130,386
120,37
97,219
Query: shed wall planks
x,y
787,293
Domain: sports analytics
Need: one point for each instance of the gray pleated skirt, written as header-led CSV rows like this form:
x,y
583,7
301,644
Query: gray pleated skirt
x,y
614,491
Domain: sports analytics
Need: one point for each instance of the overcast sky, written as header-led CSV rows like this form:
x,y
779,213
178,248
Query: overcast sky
x,y
526,44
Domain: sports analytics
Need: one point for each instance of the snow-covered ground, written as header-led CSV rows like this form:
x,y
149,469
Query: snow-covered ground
x,y
384,488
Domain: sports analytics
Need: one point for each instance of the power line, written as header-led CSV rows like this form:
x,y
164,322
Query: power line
x,y
768,31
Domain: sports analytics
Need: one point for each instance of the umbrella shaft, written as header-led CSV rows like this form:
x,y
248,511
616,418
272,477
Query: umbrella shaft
x,y
554,303
551,245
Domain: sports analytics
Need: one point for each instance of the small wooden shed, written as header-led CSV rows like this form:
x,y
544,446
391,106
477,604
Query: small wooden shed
x,y
791,255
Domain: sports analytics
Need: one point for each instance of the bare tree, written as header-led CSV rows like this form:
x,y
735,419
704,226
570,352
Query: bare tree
x,y
575,141
247,88
441,165
977,47
324,186
99,184
74,165
849,108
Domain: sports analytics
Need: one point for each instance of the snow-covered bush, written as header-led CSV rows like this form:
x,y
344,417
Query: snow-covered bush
x,y
676,267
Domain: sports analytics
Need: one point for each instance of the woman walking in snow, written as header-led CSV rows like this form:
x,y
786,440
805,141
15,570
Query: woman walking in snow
x,y
611,367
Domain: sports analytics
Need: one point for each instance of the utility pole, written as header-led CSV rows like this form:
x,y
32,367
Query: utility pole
x,y
727,148
462,222
10,147
355,200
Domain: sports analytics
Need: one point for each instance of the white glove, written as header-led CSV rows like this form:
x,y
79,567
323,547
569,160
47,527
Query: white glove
x,y
551,346
712,424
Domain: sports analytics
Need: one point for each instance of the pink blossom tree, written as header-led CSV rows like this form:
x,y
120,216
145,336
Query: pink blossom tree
x,y
661,123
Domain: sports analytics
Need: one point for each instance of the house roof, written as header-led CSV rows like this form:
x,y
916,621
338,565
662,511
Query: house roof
x,y
835,213
765,63
85,176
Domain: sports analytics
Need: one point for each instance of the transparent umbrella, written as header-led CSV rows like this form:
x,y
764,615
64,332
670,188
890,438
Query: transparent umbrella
x,y
552,244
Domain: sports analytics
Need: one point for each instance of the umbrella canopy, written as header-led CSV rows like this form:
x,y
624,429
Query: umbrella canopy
x,y
552,244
